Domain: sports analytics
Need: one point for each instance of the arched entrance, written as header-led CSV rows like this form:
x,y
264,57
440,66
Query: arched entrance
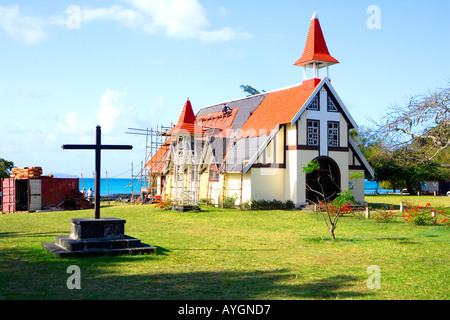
x,y
324,182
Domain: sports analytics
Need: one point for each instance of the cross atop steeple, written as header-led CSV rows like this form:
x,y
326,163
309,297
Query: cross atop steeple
x,y
315,55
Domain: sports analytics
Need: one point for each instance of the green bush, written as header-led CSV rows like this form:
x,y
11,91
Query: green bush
x,y
229,202
246,205
289,205
419,215
272,205
210,201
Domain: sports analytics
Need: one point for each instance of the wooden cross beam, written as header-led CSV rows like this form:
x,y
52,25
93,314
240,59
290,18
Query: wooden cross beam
x,y
98,147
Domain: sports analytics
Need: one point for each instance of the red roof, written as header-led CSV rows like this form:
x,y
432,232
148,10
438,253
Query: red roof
x,y
217,120
315,48
157,163
187,122
278,107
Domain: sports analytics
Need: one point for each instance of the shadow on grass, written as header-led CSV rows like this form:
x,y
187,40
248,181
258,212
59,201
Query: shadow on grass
x,y
337,241
397,239
384,206
31,274
240,285
221,249
30,235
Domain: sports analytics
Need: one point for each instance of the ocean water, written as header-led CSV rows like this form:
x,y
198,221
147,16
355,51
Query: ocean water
x,y
112,186
125,186
370,187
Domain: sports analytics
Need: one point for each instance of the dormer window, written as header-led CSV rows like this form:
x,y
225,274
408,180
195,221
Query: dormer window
x,y
314,105
330,106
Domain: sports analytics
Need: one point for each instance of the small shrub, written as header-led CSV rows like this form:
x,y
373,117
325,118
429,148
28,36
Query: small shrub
x,y
163,203
210,201
386,216
229,202
276,204
419,215
289,205
246,205
272,205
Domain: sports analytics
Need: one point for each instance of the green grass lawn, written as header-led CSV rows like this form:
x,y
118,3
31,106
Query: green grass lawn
x,y
231,254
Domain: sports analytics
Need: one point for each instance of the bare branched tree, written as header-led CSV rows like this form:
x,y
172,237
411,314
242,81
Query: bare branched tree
x,y
331,206
423,124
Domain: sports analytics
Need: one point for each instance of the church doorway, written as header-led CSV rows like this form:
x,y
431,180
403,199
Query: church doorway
x,y
324,182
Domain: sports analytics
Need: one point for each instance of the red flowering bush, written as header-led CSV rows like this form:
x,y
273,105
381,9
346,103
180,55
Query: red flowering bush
x,y
387,215
332,208
163,203
427,215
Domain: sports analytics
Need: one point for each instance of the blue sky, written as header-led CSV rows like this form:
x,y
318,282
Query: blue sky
x,y
132,64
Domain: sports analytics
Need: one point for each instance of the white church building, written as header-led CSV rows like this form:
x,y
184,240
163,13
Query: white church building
x,y
256,147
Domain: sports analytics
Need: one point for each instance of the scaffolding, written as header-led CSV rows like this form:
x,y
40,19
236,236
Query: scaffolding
x,y
187,180
154,140
184,183
176,170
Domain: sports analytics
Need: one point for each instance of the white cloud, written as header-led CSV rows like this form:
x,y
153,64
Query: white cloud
x,y
24,29
128,17
223,35
112,110
75,126
179,19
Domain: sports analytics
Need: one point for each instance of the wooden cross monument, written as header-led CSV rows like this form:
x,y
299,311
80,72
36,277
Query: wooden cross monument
x,y
98,148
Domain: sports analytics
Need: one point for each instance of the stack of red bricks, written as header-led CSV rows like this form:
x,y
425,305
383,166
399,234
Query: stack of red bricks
x,y
26,173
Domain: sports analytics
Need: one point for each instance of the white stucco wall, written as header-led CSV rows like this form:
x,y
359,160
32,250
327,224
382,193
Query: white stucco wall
x,y
267,184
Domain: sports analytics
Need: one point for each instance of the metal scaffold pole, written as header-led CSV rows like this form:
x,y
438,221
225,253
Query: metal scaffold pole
x,y
150,179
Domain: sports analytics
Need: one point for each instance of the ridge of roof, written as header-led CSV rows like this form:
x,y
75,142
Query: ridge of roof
x,y
245,98
217,121
261,148
279,107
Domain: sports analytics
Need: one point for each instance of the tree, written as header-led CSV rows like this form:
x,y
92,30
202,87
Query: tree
x,y
330,210
5,167
250,90
402,165
423,125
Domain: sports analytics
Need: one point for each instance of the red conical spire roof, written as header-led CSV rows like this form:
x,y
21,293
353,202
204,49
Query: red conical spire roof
x,y
315,49
187,121
187,115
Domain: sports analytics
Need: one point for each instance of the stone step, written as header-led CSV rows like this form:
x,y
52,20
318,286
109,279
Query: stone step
x,y
94,237
60,252
307,207
86,244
